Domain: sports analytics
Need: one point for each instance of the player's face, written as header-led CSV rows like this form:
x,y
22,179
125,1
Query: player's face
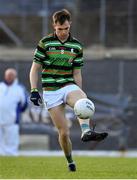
x,y
62,31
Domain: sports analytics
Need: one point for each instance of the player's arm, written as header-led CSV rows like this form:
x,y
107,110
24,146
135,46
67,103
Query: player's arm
x,y
77,64
77,77
39,57
34,74
35,97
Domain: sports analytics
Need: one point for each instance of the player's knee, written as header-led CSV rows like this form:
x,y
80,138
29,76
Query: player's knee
x,y
64,134
81,94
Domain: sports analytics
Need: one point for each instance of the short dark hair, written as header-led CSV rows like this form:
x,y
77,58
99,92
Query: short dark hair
x,y
61,16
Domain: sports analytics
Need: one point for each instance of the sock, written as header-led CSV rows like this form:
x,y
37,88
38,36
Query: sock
x,y
69,158
84,124
84,127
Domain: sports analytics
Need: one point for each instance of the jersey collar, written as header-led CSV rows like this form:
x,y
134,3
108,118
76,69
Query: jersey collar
x,y
69,38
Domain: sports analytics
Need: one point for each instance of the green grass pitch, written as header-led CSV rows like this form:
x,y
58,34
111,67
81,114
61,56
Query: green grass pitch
x,y
56,168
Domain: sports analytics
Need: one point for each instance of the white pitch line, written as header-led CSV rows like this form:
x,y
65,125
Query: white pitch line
x,y
132,154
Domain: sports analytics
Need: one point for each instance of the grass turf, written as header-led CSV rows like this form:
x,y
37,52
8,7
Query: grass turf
x,y
56,168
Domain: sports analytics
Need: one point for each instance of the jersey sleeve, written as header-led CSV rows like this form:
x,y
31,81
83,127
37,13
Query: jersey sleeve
x,y
78,61
40,53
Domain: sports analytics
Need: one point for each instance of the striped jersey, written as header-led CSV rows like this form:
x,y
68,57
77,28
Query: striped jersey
x,y
58,60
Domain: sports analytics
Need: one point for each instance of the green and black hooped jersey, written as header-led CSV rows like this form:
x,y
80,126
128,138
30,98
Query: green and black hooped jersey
x,y
58,60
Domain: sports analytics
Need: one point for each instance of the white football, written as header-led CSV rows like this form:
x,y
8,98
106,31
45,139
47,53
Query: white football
x,y
84,108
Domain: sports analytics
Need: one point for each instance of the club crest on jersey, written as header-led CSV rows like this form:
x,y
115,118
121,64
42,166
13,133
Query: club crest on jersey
x,y
72,50
62,51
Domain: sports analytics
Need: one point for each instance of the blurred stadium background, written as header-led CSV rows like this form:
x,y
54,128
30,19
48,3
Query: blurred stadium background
x,y
107,28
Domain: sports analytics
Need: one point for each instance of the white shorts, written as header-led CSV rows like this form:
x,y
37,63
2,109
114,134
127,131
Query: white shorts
x,y
55,98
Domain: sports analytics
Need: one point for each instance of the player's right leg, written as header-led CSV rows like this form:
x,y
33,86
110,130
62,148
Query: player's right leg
x,y
58,117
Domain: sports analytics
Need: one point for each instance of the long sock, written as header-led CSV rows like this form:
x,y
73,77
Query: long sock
x,y
84,127
69,158
84,124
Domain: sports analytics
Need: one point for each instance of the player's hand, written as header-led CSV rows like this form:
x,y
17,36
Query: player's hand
x,y
35,97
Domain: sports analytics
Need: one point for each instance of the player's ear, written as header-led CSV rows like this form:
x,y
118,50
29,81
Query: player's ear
x,y
53,25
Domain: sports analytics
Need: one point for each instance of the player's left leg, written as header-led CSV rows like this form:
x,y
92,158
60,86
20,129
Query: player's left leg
x,y
71,99
87,133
